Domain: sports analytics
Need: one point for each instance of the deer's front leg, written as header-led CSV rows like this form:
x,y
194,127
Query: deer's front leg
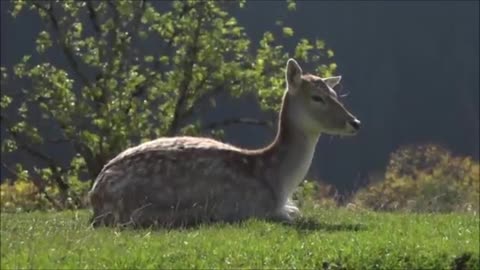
x,y
292,209
281,216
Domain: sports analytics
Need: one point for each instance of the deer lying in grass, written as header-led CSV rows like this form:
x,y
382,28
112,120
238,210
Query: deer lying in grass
x,y
189,180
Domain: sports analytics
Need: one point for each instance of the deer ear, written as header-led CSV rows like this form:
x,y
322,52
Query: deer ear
x,y
332,81
293,75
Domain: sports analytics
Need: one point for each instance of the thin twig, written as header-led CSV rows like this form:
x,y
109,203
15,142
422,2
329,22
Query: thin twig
x,y
51,163
134,33
234,121
93,18
62,42
187,78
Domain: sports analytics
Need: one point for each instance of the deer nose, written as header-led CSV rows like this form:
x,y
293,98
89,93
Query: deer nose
x,y
355,123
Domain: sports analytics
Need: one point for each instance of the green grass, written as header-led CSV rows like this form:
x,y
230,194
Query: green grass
x,y
332,239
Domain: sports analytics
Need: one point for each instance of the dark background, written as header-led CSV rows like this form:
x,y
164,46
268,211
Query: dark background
x,y
411,68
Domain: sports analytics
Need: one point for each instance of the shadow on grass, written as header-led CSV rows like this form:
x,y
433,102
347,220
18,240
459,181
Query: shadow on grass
x,y
303,224
311,224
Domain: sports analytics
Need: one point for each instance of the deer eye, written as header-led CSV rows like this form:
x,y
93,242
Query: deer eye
x,y
318,99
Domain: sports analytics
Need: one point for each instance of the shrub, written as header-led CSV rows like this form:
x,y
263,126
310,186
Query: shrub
x,y
27,193
425,178
313,194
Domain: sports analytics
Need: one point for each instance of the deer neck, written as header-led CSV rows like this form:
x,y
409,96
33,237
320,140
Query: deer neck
x,y
289,156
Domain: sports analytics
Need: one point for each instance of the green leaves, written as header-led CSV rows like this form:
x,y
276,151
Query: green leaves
x,y
19,69
133,79
291,5
326,70
149,58
330,53
90,138
43,41
5,101
17,7
320,44
302,50
287,31
77,29
150,15
9,145
425,178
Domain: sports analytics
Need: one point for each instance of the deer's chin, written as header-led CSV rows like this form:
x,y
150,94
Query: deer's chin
x,y
341,132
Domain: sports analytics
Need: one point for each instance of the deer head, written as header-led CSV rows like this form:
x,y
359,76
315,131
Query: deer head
x,y
313,106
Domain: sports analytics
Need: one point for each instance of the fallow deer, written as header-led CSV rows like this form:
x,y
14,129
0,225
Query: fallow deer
x,y
191,180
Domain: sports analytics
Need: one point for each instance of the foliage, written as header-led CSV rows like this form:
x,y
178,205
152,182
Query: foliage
x,y
328,239
23,195
315,194
425,178
111,90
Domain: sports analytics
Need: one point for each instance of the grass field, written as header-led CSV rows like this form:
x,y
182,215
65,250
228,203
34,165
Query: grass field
x,y
325,239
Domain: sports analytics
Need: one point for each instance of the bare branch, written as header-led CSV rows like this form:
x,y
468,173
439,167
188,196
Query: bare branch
x,y
197,104
93,18
200,101
94,164
58,141
234,121
187,78
62,42
168,46
102,51
134,33
116,22
33,152
51,163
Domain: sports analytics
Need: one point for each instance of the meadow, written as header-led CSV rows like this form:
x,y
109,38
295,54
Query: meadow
x,y
337,238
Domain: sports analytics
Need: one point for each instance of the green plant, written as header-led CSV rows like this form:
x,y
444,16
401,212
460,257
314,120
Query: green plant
x,y
425,178
26,194
314,194
112,91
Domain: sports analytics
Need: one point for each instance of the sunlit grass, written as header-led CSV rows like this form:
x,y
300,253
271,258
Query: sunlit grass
x,y
331,239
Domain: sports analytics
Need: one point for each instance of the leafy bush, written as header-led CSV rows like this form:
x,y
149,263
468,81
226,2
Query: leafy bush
x,y
425,178
28,193
22,196
314,194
